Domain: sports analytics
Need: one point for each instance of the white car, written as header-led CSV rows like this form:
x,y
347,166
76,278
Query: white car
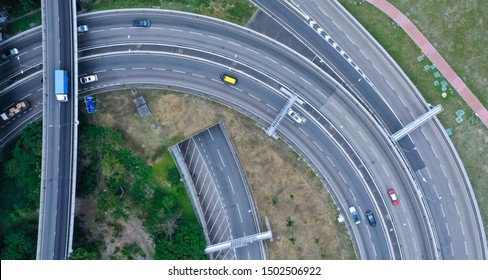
x,y
10,53
88,79
295,116
354,214
82,28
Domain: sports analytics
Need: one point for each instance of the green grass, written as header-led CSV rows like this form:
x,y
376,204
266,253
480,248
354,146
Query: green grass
x,y
458,30
236,11
160,173
24,23
471,136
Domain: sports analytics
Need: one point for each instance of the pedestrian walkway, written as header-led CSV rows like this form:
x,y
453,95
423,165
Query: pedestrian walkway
x,y
434,56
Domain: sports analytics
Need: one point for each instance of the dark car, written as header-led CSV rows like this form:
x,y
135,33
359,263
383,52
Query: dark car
x,y
141,23
370,216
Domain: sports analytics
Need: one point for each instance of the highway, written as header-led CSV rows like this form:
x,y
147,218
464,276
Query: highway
x,y
321,96
222,193
432,158
298,84
58,123
255,99
245,50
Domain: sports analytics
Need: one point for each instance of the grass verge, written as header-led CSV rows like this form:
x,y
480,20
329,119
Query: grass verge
x,y
25,23
237,11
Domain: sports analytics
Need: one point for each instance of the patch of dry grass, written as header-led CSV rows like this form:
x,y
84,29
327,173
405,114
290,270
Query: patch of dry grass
x,y
115,235
302,216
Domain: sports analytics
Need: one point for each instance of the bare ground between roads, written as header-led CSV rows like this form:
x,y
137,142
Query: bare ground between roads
x,y
301,212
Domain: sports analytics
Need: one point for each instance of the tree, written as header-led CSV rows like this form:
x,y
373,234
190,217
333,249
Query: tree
x,y
168,225
111,166
82,254
18,246
85,4
173,176
188,244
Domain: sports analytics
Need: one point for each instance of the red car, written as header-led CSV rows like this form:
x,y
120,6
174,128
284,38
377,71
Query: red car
x,y
394,198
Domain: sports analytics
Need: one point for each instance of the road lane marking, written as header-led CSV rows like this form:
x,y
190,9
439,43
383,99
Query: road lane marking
x,y
254,97
99,71
177,30
231,186
303,131
178,71
409,226
116,28
251,50
437,193
288,69
233,43
119,69
221,159
218,81
236,88
450,189
213,37
330,161
352,194
197,75
271,107
195,33
270,59
362,136
239,211
318,146
386,171
210,133
26,96
159,69
305,81
349,120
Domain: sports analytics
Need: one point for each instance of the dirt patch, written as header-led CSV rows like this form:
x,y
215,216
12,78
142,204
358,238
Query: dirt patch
x,y
301,212
115,236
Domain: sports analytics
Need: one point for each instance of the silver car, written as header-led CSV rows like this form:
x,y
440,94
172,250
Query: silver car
x,y
88,79
295,116
82,28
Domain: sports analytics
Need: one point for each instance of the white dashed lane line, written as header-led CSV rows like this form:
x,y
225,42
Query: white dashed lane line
x,y
254,97
198,75
303,131
271,107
